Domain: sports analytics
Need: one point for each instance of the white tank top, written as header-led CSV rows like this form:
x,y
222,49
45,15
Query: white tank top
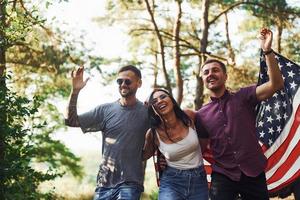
x,y
184,154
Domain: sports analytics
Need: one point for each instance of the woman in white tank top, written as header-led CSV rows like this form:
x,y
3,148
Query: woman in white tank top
x,y
173,133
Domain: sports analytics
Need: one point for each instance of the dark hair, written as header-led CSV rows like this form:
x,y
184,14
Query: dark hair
x,y
222,65
132,68
156,120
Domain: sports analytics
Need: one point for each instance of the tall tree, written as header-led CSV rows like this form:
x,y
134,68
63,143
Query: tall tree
x,y
176,52
26,133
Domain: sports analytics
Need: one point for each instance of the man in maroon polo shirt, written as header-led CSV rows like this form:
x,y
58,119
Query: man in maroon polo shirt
x,y
228,122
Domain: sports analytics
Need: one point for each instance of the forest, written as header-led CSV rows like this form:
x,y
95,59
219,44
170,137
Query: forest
x,y
168,40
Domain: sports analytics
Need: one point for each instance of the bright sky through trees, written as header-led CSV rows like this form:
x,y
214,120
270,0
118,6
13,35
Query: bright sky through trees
x,y
76,16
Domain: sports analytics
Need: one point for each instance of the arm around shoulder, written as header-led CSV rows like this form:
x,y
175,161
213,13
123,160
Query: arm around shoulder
x,y
149,146
191,114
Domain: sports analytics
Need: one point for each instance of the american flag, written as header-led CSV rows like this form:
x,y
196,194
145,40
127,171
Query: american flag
x,y
278,120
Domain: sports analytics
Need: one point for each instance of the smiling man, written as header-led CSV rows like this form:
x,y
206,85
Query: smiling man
x,y
123,124
228,121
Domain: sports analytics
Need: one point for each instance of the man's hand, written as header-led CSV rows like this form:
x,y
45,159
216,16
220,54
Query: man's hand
x,y
77,79
266,37
162,162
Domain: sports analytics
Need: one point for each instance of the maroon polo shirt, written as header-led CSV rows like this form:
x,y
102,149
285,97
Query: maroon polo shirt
x,y
229,123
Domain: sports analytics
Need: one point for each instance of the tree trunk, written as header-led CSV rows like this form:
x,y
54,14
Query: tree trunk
x,y
278,37
176,53
3,89
161,45
203,45
229,47
155,70
2,39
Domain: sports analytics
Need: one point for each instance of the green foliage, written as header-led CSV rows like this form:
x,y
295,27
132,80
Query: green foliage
x,y
31,156
292,50
38,62
19,180
154,195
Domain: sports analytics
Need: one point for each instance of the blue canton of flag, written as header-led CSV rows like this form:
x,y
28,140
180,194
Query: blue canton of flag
x,y
277,124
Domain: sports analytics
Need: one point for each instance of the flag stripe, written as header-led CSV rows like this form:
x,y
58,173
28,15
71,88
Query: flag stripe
x,y
289,177
283,168
280,131
286,129
286,146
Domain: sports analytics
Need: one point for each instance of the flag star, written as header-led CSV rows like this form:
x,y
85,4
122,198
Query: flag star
x,y
270,142
284,104
278,117
285,116
291,74
282,92
275,95
277,57
293,85
271,131
279,129
277,106
280,65
260,123
261,134
261,76
289,64
268,108
269,119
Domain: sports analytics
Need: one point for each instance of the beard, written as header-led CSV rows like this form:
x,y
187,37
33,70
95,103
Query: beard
x,y
127,92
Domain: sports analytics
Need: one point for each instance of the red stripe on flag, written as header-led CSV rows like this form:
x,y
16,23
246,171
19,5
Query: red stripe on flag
x,y
286,183
208,169
272,160
282,170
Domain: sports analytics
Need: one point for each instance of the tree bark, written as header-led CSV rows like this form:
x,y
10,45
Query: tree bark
x,y
3,116
198,101
161,45
176,53
2,39
278,36
155,71
229,46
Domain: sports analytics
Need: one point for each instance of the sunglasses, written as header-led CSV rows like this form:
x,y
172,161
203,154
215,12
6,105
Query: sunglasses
x,y
120,81
155,100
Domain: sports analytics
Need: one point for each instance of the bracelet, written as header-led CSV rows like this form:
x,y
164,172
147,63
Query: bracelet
x,y
267,52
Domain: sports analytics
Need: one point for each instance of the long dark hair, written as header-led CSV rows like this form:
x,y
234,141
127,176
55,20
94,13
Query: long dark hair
x,y
156,120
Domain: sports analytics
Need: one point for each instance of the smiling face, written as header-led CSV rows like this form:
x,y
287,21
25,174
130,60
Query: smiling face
x,y
214,77
128,83
162,103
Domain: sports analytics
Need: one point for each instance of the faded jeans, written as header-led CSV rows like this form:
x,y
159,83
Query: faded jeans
x,y
190,184
124,191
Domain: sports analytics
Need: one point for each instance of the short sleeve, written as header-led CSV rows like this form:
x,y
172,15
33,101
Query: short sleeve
x,y
201,130
92,120
248,95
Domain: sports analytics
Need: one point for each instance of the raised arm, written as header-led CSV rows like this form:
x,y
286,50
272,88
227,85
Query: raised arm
x,y
275,82
77,85
149,146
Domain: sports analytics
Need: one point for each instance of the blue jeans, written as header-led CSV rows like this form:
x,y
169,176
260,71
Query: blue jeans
x,y
250,188
123,191
188,184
